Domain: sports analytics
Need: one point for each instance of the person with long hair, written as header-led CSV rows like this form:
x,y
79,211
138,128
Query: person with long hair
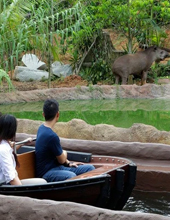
x,y
8,159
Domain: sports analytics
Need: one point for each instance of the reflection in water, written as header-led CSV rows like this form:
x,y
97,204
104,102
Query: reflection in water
x,y
119,112
149,202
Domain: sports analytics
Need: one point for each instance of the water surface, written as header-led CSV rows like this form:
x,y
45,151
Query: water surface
x,y
149,202
118,112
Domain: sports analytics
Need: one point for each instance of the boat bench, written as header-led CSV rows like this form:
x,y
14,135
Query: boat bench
x,y
27,162
26,171
26,158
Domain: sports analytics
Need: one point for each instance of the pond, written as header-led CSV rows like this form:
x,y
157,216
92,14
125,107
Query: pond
x,y
119,112
149,202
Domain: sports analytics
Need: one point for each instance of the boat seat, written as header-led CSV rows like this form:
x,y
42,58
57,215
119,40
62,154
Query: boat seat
x,y
33,181
26,170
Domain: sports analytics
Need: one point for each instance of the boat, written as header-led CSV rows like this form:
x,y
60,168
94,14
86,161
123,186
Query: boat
x,y
108,186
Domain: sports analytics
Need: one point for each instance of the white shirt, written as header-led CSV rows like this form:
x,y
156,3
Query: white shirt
x,y
7,163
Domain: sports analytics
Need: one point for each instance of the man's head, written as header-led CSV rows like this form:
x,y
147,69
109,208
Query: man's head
x,y
50,109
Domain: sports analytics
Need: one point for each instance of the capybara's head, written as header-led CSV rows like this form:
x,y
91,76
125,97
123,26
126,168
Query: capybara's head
x,y
160,54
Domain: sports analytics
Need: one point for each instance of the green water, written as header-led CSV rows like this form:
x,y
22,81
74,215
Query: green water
x,y
120,113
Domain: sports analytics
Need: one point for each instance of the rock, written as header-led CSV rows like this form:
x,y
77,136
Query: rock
x,y
164,81
79,129
25,126
43,67
147,91
23,208
60,69
23,74
32,62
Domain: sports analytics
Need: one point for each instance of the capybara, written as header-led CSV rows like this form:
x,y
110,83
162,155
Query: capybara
x,y
137,64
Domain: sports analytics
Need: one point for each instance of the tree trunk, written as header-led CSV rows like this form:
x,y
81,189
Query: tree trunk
x,y
129,31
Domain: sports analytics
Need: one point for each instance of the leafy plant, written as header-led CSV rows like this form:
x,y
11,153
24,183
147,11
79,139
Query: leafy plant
x,y
137,19
126,48
4,75
99,71
40,27
159,70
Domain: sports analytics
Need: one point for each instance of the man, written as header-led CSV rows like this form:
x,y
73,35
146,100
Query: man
x,y
51,160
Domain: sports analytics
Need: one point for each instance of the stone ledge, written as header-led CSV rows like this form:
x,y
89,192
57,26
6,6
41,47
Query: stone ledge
x,y
147,91
23,208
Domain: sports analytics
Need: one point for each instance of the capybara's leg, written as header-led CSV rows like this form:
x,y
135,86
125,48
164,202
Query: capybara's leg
x,y
144,77
117,79
124,80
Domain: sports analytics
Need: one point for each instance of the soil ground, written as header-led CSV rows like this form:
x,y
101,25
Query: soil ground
x,y
70,81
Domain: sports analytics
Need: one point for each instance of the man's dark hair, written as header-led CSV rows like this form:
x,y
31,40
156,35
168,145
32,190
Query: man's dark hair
x,y
50,109
8,127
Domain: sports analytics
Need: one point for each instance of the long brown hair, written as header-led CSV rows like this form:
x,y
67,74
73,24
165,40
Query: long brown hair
x,y
8,127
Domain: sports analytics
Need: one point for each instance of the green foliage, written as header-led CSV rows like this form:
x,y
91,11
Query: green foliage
x,y
12,34
141,20
49,28
41,27
75,59
5,76
136,19
159,70
100,71
126,48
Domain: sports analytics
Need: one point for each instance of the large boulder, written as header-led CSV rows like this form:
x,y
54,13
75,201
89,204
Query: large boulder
x,y
59,69
25,74
79,129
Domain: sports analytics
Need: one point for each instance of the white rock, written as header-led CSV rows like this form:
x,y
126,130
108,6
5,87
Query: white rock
x,y
32,61
59,69
23,74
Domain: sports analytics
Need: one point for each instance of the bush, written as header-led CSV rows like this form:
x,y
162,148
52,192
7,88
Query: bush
x,y
159,70
4,75
99,71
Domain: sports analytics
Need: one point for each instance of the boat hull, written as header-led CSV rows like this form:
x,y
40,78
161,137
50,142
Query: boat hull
x,y
93,191
108,186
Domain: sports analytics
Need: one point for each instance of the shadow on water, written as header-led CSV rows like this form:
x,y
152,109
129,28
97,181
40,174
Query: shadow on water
x,y
149,202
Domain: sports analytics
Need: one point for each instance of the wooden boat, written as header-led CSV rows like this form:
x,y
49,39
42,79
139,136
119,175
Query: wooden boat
x,y
108,186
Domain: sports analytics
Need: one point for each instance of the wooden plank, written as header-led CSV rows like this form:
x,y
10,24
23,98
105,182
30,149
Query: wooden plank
x,y
27,165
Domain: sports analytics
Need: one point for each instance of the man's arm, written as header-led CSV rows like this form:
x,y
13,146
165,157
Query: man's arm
x,y
62,158
66,162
